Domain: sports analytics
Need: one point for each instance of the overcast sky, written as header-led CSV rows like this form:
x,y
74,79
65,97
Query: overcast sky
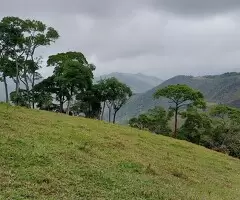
x,y
163,38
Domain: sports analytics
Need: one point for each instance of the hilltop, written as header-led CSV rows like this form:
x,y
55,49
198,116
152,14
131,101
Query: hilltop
x,y
46,155
224,88
139,83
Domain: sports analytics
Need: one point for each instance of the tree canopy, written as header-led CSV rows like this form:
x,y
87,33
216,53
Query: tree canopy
x,y
181,96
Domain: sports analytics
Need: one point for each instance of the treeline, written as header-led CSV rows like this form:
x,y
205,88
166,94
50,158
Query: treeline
x,y
216,127
71,83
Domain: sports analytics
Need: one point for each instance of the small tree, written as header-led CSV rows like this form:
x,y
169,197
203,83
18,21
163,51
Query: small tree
x,y
117,95
181,96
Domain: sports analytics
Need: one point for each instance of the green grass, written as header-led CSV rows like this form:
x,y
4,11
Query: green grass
x,y
52,156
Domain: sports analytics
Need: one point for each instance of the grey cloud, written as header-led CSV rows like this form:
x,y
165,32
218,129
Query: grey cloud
x,y
106,8
197,7
156,37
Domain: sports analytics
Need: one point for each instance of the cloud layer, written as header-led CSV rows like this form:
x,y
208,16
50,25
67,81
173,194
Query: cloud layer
x,y
157,37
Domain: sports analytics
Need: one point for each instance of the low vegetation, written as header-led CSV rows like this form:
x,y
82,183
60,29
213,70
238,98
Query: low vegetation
x,y
45,155
216,127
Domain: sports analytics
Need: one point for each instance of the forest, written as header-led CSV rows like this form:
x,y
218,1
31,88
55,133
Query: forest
x,y
71,90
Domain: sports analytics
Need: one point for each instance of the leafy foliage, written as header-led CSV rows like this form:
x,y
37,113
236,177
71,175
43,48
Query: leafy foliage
x,y
155,120
181,96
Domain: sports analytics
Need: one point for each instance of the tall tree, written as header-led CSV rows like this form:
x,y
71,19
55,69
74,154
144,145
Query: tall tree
x,y
36,34
76,77
69,68
117,95
180,96
103,94
124,93
6,70
12,37
89,102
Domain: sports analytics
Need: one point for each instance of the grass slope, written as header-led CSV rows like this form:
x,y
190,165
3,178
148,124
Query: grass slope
x,y
51,156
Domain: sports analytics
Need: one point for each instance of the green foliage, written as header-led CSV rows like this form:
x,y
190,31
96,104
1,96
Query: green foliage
x,y
196,127
72,75
117,95
21,98
155,120
89,102
181,96
219,129
19,40
226,133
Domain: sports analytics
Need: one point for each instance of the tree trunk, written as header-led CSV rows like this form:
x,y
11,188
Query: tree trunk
x,y
27,87
176,123
68,107
109,114
33,84
114,117
104,105
61,106
17,82
6,88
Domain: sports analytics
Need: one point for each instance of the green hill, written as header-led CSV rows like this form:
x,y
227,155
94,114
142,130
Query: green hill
x,y
47,155
223,88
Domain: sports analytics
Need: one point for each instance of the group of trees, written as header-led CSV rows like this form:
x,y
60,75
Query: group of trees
x,y
216,127
19,41
70,85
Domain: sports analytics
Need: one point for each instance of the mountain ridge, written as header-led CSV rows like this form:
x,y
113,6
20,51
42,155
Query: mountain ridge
x,y
224,88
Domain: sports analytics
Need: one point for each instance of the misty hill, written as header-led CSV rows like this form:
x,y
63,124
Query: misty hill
x,y
139,83
47,155
223,88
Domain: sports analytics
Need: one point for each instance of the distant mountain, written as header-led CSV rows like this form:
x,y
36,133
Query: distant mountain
x,y
223,88
139,83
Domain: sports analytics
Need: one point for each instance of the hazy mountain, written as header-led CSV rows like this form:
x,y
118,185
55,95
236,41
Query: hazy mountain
x,y
139,83
223,88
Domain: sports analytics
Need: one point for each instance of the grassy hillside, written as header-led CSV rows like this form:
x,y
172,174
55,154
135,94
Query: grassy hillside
x,y
223,88
139,83
52,156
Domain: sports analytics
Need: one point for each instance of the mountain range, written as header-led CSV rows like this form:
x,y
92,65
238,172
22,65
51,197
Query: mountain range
x,y
223,89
